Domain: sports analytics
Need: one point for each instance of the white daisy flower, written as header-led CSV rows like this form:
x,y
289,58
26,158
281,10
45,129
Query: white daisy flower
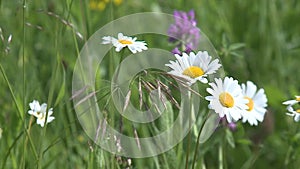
x,y
39,111
227,99
42,118
257,103
125,41
194,67
36,108
292,102
292,112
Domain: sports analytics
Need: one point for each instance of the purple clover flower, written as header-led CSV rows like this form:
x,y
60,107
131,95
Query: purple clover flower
x,y
184,32
232,126
176,51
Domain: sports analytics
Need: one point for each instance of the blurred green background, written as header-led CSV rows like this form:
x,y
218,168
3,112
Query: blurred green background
x,y
257,40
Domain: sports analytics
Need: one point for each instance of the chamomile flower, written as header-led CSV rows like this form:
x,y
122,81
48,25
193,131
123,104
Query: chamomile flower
x,y
125,41
257,103
42,118
36,108
292,102
290,108
194,67
39,111
294,113
227,99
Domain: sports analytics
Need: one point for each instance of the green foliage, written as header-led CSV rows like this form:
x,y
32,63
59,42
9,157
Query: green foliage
x,y
256,40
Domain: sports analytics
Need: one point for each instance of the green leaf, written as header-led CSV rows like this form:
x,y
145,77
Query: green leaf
x,y
62,90
296,137
229,138
244,141
167,118
236,54
224,40
236,46
209,127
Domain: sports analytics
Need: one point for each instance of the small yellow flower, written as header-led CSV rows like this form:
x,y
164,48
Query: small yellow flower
x,y
101,4
97,5
118,2
93,4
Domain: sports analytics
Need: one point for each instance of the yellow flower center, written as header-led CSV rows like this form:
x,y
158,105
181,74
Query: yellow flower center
x,y
125,42
226,100
43,115
298,99
298,110
250,104
193,72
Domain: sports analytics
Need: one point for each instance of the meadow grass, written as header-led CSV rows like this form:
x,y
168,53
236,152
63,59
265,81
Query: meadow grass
x,y
256,40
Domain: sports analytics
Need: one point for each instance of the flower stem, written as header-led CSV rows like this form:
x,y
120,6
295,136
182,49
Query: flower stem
x,y
221,157
10,149
18,108
287,158
188,151
189,134
11,91
203,163
198,143
24,87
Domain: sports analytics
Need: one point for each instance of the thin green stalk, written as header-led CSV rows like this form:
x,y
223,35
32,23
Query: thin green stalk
x,y
50,96
23,57
179,154
24,87
18,108
10,148
31,143
203,163
11,91
197,144
290,149
91,159
287,157
189,134
111,71
19,113
221,156
85,18
84,14
188,151
119,66
14,143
